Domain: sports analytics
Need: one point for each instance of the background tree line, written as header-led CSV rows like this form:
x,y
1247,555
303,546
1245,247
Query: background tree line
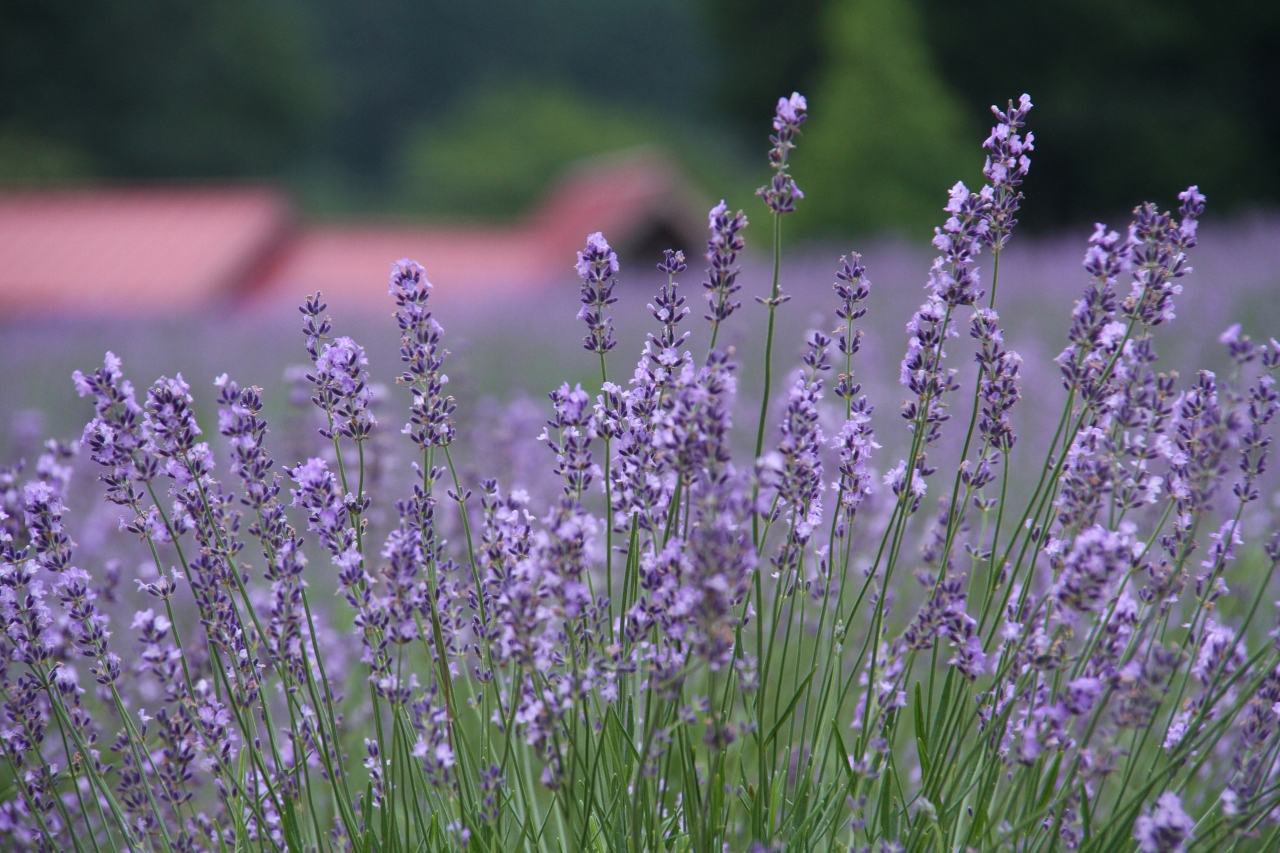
x,y
435,107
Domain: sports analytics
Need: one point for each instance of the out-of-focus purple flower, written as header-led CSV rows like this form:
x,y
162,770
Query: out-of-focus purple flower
x,y
1166,828
1081,693
1219,653
1007,164
794,469
1097,559
945,615
597,265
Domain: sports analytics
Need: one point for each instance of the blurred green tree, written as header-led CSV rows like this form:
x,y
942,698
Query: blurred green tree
x,y
1133,100
159,88
886,136
400,63
29,159
496,151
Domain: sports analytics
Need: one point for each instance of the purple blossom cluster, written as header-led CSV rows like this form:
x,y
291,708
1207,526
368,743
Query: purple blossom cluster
x,y
681,648
597,265
781,193
723,246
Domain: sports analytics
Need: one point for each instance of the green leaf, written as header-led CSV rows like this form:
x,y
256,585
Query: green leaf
x,y
922,735
791,706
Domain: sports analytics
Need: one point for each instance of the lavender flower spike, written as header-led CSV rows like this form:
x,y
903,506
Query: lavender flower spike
x,y
430,422
1007,164
781,194
1165,830
722,253
597,264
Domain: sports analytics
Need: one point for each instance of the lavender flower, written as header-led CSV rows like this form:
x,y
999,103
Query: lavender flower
x,y
856,439
695,586
1096,560
573,446
709,701
1219,653
341,384
953,278
240,420
597,264
1166,828
794,469
781,194
1007,164
1158,256
117,440
722,254
430,424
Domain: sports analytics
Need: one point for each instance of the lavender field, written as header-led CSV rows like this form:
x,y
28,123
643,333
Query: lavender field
x,y
891,547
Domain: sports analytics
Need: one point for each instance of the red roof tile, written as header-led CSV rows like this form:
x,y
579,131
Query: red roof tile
x,y
164,251
625,195
129,251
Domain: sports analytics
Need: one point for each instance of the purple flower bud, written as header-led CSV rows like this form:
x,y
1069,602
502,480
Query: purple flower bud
x,y
1166,828
430,422
722,254
1007,164
782,193
597,264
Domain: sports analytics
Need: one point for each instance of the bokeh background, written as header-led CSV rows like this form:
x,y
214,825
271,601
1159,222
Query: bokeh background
x,y
487,138
434,108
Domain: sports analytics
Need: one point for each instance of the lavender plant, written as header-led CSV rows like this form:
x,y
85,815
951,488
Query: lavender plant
x,y
683,649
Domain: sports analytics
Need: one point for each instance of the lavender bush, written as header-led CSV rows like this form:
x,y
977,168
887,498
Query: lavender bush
x,y
679,649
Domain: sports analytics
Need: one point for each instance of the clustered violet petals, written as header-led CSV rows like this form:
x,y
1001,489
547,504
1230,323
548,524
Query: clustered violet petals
x,y
597,265
1007,164
677,648
722,254
430,422
781,193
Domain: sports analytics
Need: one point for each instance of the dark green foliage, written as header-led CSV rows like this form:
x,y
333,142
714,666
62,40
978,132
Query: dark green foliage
x,y
398,63
1131,97
495,153
161,88
888,134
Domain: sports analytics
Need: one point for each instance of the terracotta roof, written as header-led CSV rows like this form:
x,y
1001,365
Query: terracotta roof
x,y
627,196
126,251
169,250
